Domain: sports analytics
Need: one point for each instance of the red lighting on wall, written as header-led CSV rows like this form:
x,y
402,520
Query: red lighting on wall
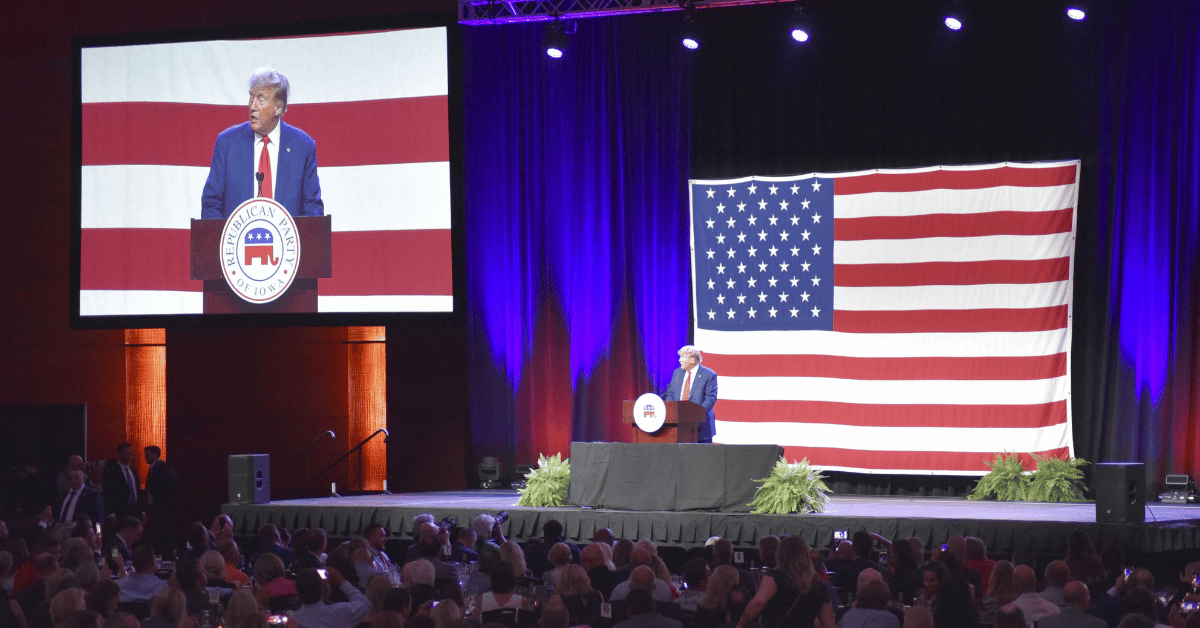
x,y
145,392
367,380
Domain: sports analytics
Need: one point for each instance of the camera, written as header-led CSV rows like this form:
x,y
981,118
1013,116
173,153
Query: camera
x,y
446,523
840,535
1187,606
502,516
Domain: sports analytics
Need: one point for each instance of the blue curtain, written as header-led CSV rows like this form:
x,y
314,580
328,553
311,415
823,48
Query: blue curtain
x,y
576,232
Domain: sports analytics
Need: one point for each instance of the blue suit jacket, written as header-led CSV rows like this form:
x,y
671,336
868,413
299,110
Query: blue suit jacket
x,y
704,392
231,176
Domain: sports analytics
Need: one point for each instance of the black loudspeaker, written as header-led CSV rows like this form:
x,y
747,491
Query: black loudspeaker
x,y
1120,489
250,479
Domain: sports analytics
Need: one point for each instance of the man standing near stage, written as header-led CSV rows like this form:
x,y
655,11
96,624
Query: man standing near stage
x,y
698,384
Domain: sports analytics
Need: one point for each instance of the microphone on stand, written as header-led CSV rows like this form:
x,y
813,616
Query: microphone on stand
x,y
259,176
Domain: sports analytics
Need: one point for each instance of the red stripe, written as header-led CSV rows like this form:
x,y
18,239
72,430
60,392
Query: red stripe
x,y
947,461
136,259
950,321
352,133
841,367
953,225
952,273
390,262
892,415
956,179
364,262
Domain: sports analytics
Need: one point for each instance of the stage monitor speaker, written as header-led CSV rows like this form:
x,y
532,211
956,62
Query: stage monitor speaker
x,y
250,479
1120,489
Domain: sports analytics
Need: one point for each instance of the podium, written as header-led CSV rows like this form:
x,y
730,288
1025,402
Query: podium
x,y
680,426
316,262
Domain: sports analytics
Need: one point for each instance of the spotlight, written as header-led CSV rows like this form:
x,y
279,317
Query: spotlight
x,y
488,472
954,17
801,27
555,40
690,42
691,30
1076,13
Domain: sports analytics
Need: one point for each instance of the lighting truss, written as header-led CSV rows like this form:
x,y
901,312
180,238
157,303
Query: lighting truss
x,y
502,11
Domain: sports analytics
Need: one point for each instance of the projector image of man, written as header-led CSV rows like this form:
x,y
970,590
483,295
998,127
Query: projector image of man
x,y
698,384
263,157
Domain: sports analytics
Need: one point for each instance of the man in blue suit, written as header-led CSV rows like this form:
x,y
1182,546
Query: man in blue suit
x,y
263,157
698,384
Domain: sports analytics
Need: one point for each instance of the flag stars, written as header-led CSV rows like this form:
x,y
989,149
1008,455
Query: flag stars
x,y
752,188
711,315
730,284
720,269
721,299
730,312
783,235
741,299
816,280
773,190
710,253
804,296
794,312
771,311
772,281
773,251
805,266
741,237
773,219
751,313
783,297
795,251
752,220
816,186
816,218
795,282
721,239
805,234
720,208
762,297
731,222
710,223
816,249
795,221
711,283
762,236
804,204
741,269
783,205
752,251
762,204
783,266
731,192
711,192
762,268
741,207
731,253
795,190
751,281
815,311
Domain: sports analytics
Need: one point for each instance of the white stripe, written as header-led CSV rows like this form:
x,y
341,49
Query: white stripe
x,y
359,198
126,302
938,392
368,66
957,439
986,248
386,303
991,296
984,344
984,200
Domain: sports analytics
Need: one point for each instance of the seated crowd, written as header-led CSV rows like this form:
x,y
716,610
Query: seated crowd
x,y
474,577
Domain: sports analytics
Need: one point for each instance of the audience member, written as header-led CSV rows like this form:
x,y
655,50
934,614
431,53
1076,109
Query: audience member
x,y
578,597
463,550
603,579
1000,590
555,615
643,578
270,579
1053,580
977,559
622,556
66,604
905,580
500,595
847,575
398,600
232,556
199,541
511,553
768,546
222,528
240,610
1077,601
1010,617
710,608
103,598
641,612
919,616
315,613
695,578
840,556
537,552
1033,606
143,583
271,543
604,535
121,486
162,491
955,607
419,576
1082,559
559,557
791,592
870,609
932,577
129,532
167,609
80,500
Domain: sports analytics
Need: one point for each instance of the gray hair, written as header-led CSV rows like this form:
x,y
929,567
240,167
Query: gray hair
x,y
270,77
483,525
691,351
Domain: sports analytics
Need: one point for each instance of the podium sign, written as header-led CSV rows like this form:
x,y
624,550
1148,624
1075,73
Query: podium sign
x,y
209,265
682,417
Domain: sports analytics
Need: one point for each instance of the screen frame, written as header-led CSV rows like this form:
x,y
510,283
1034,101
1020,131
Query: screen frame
x,y
454,60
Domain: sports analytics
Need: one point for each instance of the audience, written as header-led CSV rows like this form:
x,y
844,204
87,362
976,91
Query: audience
x,y
1033,606
143,584
315,613
710,608
791,592
870,609
641,612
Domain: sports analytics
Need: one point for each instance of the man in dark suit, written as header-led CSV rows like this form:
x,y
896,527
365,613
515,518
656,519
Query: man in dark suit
x,y
162,490
80,500
121,483
263,157
698,384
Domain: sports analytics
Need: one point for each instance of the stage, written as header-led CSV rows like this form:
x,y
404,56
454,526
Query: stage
x,y
1005,527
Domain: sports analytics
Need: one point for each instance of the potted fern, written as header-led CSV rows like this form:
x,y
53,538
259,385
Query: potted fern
x,y
546,486
1056,480
791,488
1005,482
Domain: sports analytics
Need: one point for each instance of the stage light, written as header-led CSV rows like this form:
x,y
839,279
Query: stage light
x,y
555,40
1180,489
1076,13
690,32
800,25
953,23
488,472
690,43
954,17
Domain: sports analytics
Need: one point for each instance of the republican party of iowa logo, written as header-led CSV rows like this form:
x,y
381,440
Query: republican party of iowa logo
x,y
260,250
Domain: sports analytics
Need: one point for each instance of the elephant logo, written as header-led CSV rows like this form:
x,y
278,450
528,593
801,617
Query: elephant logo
x,y
260,246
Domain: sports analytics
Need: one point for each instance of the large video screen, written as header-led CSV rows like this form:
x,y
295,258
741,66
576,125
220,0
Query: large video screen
x,y
281,175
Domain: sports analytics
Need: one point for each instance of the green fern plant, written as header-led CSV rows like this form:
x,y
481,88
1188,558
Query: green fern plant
x,y
547,484
791,488
1005,482
1056,480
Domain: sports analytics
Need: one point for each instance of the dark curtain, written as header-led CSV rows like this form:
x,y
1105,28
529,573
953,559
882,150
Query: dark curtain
x,y
578,280
577,257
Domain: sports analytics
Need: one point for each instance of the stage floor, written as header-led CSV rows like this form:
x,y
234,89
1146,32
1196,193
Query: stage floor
x,y
1005,527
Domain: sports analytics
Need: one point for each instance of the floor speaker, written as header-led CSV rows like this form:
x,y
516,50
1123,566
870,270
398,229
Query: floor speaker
x,y
1120,489
250,479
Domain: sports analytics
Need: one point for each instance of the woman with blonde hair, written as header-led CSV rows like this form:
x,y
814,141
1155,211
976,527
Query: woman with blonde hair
x,y
377,588
710,609
663,573
241,610
270,580
445,614
999,590
578,597
66,603
621,553
167,609
512,554
790,595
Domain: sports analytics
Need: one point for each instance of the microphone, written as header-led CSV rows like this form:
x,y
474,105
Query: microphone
x,y
331,434
259,176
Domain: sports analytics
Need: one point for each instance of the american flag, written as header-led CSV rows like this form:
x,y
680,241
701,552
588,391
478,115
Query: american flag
x,y
899,321
376,105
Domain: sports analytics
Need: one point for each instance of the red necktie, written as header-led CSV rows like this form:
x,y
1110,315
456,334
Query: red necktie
x,y
687,388
264,166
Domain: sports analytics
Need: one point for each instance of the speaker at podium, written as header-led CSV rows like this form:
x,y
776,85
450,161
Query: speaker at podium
x,y
658,421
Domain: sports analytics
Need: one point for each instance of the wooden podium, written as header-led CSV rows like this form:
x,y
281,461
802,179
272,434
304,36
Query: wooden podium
x,y
680,426
315,262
